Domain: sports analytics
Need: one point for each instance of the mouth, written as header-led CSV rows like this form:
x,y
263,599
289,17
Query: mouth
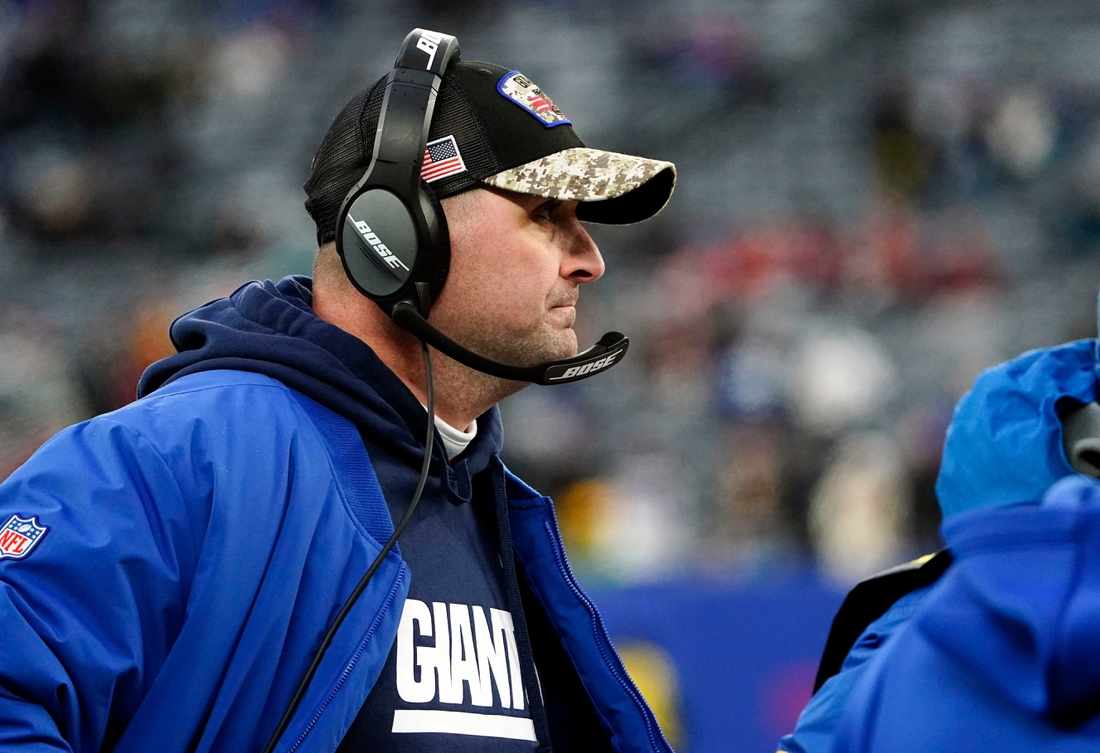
x,y
565,301
564,314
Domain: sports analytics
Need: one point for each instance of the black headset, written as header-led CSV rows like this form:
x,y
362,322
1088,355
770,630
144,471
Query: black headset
x,y
391,233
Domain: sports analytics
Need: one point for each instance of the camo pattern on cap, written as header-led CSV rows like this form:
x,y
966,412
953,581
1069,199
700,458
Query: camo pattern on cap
x,y
580,174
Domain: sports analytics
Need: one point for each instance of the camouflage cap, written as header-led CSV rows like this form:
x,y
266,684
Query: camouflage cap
x,y
494,127
590,175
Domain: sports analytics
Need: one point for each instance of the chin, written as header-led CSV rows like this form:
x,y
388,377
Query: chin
x,y
565,347
569,340
551,346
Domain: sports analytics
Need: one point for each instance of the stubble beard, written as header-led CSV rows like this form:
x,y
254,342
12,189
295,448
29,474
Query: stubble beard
x,y
529,348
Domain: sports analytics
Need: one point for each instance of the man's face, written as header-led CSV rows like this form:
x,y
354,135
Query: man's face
x,y
517,263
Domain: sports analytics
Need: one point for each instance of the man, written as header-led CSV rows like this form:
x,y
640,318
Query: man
x,y
1001,654
951,651
169,570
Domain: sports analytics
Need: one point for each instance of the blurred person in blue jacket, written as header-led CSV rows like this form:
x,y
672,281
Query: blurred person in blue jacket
x,y
1006,447
171,572
1002,653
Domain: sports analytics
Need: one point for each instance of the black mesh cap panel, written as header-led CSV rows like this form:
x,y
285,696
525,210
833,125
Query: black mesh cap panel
x,y
342,159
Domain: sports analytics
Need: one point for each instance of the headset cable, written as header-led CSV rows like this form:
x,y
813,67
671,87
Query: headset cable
x,y
361,586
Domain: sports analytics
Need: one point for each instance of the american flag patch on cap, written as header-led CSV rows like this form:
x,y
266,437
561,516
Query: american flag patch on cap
x,y
441,158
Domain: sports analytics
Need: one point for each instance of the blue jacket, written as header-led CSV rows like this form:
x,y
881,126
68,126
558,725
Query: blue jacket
x,y
1003,652
1004,446
192,548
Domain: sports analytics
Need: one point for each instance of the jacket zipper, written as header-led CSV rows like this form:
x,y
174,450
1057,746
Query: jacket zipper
x,y
616,666
354,659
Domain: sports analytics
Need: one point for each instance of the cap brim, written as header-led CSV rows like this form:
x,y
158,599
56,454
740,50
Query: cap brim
x,y
613,188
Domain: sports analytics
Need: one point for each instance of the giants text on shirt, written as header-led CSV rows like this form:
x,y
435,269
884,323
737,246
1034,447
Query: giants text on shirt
x,y
459,654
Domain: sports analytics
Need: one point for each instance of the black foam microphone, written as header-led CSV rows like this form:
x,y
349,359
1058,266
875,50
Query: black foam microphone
x,y
607,352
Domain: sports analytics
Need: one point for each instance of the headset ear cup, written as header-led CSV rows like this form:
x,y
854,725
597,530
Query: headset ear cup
x,y
392,234
379,244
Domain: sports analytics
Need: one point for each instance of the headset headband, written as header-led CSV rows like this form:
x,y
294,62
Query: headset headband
x,y
411,91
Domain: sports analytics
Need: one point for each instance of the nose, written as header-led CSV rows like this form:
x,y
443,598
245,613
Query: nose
x,y
582,261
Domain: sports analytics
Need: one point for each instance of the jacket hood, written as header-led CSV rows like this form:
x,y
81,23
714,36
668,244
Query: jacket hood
x,y
1004,443
270,328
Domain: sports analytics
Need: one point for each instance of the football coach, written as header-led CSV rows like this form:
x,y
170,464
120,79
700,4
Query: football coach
x,y
301,536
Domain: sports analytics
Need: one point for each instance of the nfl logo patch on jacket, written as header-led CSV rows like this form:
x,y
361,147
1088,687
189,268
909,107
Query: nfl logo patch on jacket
x,y
19,536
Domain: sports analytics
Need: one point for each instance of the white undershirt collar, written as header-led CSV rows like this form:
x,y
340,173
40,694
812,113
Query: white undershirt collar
x,y
454,441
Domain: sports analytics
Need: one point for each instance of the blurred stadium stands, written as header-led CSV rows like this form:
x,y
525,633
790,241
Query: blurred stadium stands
x,y
877,199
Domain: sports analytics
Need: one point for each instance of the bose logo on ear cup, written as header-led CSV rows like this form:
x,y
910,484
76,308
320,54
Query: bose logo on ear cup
x,y
602,363
376,243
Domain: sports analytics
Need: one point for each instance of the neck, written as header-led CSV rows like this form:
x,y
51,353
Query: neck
x,y
461,394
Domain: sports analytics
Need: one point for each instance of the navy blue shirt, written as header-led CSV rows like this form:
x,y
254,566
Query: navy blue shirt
x,y
452,680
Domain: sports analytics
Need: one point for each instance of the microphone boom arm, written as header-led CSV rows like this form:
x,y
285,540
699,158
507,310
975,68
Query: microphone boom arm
x,y
603,355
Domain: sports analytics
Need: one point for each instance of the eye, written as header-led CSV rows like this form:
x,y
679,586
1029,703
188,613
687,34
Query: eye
x,y
548,210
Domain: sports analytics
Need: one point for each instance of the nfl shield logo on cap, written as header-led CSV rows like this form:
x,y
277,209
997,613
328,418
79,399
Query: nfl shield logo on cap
x,y
523,91
19,536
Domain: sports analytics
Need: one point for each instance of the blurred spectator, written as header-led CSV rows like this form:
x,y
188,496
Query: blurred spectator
x,y
641,526
888,262
858,510
550,436
900,154
633,527
959,258
148,342
710,53
920,435
753,263
752,378
749,522
37,398
1080,208
1022,131
840,378
249,63
580,508
679,360
54,195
